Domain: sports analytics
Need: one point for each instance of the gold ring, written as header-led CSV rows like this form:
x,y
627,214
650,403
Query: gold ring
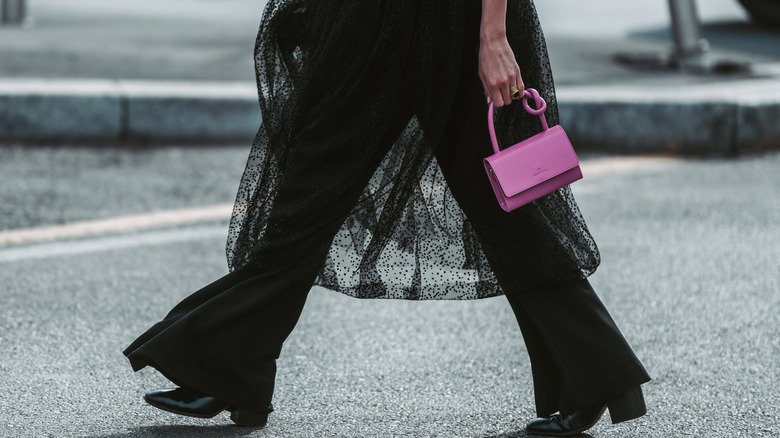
x,y
515,92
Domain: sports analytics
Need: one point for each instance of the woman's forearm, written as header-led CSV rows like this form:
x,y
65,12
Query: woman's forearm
x,y
498,69
493,23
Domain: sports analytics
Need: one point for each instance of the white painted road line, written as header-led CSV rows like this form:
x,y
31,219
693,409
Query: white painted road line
x,y
120,224
128,88
95,244
597,167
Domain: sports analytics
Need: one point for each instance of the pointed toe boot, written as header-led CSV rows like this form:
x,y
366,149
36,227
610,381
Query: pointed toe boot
x,y
566,424
191,403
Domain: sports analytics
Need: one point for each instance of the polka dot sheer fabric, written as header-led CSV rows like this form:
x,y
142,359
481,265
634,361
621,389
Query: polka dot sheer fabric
x,y
366,173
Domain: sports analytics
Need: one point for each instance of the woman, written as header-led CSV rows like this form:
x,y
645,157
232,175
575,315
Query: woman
x,y
366,178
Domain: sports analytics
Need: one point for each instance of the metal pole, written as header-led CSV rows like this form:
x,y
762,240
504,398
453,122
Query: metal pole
x,y
689,50
13,11
686,32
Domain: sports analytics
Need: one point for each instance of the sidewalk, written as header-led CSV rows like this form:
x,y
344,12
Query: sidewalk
x,y
182,72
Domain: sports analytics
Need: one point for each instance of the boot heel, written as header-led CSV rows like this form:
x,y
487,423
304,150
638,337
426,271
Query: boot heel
x,y
249,418
627,406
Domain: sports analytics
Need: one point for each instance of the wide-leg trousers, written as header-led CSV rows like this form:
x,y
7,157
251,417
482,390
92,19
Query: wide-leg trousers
x,y
224,339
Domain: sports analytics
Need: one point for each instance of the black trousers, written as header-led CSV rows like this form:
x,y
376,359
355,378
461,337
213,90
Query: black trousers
x,y
223,340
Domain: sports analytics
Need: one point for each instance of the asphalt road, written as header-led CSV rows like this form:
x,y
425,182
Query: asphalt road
x,y
691,255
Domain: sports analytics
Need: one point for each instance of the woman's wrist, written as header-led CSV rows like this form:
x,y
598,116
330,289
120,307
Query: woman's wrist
x,y
493,24
492,34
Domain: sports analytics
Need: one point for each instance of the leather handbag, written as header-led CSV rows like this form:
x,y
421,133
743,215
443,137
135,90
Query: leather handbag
x,y
535,167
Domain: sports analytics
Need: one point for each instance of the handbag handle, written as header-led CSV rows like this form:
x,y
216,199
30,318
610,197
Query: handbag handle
x,y
539,103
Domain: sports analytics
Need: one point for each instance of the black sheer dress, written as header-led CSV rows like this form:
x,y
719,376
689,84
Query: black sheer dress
x,y
398,78
366,178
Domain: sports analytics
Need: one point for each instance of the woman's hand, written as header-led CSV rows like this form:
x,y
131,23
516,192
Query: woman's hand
x,y
498,69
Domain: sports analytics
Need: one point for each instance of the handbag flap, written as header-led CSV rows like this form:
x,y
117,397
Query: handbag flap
x,y
533,161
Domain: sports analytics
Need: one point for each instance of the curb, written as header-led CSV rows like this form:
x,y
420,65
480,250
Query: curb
x,y
704,119
727,118
127,111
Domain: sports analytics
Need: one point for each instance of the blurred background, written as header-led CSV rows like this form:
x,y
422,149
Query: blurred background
x,y
124,130
175,40
209,40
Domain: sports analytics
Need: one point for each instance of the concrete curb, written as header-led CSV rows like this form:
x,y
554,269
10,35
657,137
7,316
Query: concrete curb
x,y
707,119
127,111
727,118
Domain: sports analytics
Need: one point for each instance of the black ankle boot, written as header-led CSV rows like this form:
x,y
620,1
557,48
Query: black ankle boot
x,y
191,403
566,424
624,407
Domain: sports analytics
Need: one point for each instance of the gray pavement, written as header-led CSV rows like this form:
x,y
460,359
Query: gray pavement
x,y
44,186
690,250
197,56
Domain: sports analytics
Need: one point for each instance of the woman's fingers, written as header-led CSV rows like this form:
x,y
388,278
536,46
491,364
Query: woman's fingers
x,y
497,97
506,94
519,81
499,72
485,88
494,94
499,91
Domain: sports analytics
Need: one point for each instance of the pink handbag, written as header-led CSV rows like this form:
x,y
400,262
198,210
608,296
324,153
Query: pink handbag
x,y
534,167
